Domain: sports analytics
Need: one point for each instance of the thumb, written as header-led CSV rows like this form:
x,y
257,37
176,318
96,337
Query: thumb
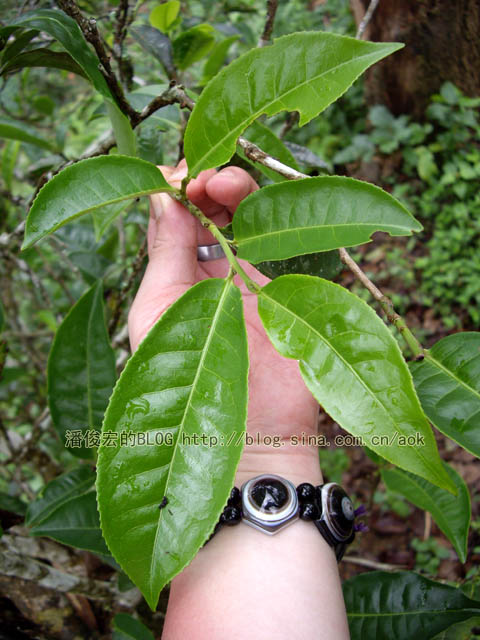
x,y
172,265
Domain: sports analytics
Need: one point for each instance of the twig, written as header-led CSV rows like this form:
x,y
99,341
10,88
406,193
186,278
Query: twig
x,y
428,525
385,303
257,155
371,564
272,6
136,267
90,32
366,18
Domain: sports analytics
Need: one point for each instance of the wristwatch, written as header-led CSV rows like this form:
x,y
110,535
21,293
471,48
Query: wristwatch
x,y
269,503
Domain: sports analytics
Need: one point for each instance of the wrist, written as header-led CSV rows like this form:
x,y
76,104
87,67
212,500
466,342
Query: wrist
x,y
297,463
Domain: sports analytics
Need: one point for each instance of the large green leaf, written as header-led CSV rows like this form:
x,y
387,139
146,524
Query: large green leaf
x,y
403,605
188,377
64,29
448,385
261,135
43,58
451,513
354,368
315,214
81,370
58,491
88,185
14,130
76,523
302,72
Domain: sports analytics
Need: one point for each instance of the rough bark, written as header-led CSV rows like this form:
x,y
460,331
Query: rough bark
x,y
441,43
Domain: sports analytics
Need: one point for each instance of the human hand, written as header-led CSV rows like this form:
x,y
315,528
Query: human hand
x,y
279,402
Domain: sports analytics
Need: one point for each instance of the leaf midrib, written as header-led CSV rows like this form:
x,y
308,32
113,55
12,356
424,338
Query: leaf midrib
x,y
226,289
448,372
253,116
370,392
320,227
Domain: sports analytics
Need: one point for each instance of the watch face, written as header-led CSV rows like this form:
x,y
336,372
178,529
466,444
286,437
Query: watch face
x,y
338,511
269,503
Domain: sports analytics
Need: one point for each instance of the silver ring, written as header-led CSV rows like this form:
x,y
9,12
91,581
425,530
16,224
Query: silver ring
x,y
210,252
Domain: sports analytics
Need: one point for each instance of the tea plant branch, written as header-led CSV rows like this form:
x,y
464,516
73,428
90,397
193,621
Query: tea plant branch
x,y
218,235
91,34
366,18
272,6
258,155
124,291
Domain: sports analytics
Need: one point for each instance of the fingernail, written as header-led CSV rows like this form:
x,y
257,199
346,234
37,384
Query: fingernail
x,y
159,203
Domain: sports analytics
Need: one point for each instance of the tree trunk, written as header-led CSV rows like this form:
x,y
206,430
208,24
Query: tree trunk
x,y
442,42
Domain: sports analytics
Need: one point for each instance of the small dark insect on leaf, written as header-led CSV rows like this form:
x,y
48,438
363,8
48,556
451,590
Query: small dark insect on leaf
x,y
163,503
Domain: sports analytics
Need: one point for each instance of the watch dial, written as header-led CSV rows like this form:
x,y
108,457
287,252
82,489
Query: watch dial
x,y
340,512
269,495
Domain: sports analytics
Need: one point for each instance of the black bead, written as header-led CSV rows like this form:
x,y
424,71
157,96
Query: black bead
x,y
309,511
306,492
231,515
235,497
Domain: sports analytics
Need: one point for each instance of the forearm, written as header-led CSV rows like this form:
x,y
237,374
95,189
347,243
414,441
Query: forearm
x,y
246,585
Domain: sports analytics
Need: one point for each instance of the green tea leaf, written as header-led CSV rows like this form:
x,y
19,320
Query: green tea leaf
x,y
76,523
60,490
126,627
448,385
43,58
354,368
22,40
302,72
192,45
187,380
64,29
315,214
261,135
88,185
451,513
216,57
81,370
402,605
13,130
164,15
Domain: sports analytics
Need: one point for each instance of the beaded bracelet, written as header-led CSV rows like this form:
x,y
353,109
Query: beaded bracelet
x,y
270,503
